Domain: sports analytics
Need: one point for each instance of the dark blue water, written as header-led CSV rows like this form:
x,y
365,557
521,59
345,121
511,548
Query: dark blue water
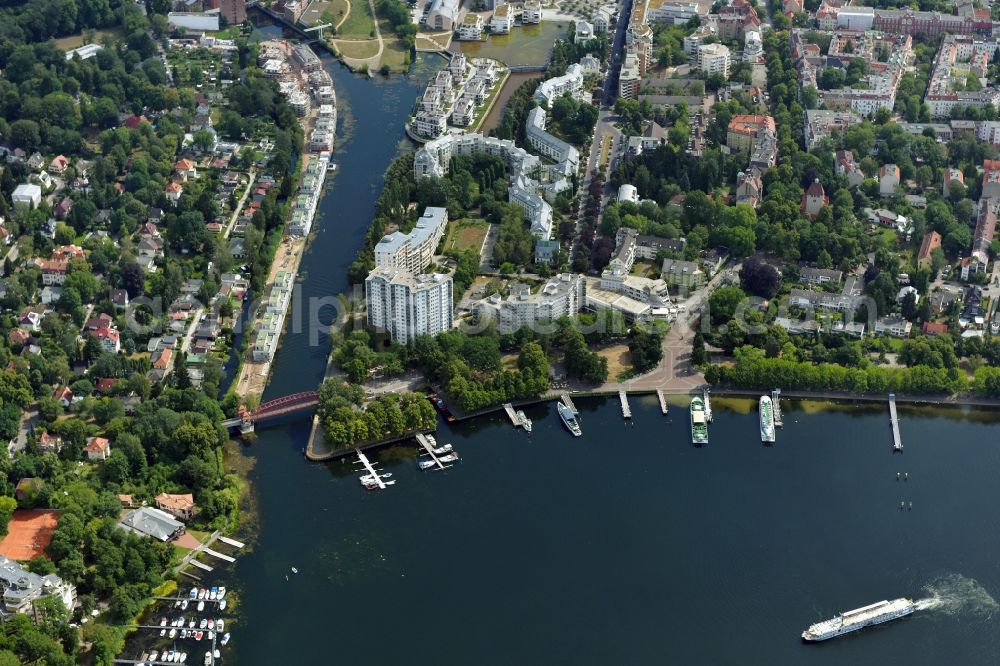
x,y
625,546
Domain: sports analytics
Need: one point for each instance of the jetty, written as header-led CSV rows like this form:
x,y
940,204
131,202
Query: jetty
x,y
663,400
200,565
897,441
511,414
568,401
776,407
221,556
423,441
626,410
708,407
231,542
363,459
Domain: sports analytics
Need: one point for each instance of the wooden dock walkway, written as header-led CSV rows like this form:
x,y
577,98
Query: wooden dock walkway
x,y
423,441
231,542
626,410
200,565
897,441
221,556
663,400
708,407
363,459
568,401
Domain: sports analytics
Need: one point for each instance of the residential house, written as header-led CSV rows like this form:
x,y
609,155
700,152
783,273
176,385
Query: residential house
x,y
952,175
848,168
58,164
21,588
933,328
179,506
888,180
991,179
173,192
153,523
119,299
26,195
682,273
63,208
185,170
63,395
893,325
931,242
109,338
97,448
49,443
820,276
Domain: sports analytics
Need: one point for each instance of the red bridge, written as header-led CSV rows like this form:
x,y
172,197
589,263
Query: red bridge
x,y
289,404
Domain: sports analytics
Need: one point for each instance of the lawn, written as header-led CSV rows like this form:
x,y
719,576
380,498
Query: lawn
x,y
358,50
394,53
359,23
76,41
487,104
619,359
466,234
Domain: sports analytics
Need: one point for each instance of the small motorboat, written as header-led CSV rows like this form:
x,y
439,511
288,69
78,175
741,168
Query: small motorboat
x,y
201,593
184,605
172,633
294,570
170,656
191,624
198,635
194,593
177,657
222,592
213,593
448,458
208,658
184,657
443,449
203,623
525,421
184,634
222,604
211,624
225,639
426,464
163,621
153,655
431,440
210,635
220,625
218,654
201,606
163,632
180,621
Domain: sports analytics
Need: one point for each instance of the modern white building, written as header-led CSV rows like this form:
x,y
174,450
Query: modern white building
x,y
628,193
444,14
570,82
413,252
630,77
532,12
502,20
21,588
471,27
27,195
408,306
714,59
548,145
562,296
194,21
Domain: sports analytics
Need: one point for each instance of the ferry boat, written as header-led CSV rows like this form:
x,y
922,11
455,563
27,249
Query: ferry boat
x,y
766,420
859,618
525,421
569,419
699,423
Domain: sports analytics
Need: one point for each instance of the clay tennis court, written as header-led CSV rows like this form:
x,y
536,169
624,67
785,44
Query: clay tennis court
x,y
28,533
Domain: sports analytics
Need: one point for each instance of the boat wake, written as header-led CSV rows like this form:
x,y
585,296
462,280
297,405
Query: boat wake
x,y
954,593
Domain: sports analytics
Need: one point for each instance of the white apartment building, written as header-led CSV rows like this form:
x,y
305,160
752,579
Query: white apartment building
x,y
471,28
570,82
21,588
629,78
532,12
714,59
502,20
562,296
413,252
408,306
548,145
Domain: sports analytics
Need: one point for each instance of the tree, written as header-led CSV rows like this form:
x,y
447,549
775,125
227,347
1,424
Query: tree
x,y
698,354
646,350
7,506
759,278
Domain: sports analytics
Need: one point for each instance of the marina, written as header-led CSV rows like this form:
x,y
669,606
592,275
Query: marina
x,y
512,415
374,479
568,401
897,441
431,450
626,410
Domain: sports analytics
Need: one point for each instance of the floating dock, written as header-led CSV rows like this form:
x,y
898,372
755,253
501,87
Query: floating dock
x,y
200,565
512,415
708,407
568,401
776,407
897,441
626,410
363,459
422,440
663,400
231,542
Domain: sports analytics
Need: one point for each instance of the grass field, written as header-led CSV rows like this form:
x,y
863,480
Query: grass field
x,y
359,23
357,49
394,54
619,359
76,41
466,234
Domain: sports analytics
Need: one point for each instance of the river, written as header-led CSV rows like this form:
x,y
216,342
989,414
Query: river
x,y
625,546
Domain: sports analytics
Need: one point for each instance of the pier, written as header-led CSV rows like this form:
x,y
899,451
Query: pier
x,y
663,400
200,565
626,410
363,459
776,407
568,401
708,407
422,440
231,542
215,553
511,414
897,441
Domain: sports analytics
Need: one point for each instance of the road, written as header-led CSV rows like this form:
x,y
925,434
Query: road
x,y
186,343
239,205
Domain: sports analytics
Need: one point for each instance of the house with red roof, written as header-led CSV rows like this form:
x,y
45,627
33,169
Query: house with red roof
x,y
58,164
63,395
133,122
97,448
49,443
173,192
814,199
185,169
109,338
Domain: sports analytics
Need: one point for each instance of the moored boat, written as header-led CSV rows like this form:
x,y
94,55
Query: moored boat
x,y
426,464
449,457
225,639
766,419
525,421
859,618
569,419
699,423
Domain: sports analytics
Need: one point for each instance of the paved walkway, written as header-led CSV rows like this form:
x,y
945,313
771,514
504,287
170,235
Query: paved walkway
x,y
371,62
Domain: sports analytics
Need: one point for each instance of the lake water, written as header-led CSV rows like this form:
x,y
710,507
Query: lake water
x,y
625,546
